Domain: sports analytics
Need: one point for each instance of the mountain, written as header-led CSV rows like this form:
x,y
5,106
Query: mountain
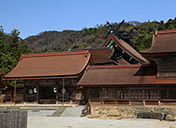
x,y
55,41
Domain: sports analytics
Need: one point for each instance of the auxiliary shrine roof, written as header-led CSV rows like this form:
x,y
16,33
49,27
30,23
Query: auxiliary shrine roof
x,y
122,75
50,65
163,42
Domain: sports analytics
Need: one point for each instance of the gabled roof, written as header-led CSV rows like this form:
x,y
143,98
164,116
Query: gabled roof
x,y
122,75
50,65
163,42
126,47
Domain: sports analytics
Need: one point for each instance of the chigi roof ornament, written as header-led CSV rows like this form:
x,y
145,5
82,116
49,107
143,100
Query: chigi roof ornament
x,y
120,34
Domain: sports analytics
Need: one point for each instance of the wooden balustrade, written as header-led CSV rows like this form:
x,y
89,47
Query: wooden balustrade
x,y
132,102
86,110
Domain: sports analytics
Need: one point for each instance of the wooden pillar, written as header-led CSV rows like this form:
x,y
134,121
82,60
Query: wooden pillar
x,y
159,95
143,95
89,101
129,97
123,91
24,90
143,92
57,93
63,92
14,95
37,97
1,98
89,94
102,102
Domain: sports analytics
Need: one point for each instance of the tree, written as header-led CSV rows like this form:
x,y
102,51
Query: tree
x,y
11,49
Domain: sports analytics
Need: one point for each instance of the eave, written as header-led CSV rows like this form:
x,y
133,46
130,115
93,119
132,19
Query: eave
x,y
41,77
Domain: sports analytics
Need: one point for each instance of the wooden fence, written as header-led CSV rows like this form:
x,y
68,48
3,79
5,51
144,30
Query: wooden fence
x,y
133,102
13,119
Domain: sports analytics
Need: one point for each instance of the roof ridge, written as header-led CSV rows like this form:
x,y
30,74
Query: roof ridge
x,y
54,54
165,31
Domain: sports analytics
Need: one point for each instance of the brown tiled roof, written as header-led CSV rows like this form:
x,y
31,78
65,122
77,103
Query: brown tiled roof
x,y
101,56
50,65
127,48
122,75
163,42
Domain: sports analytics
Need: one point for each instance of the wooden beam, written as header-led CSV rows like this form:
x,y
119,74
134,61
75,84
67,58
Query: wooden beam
x,y
14,95
143,95
102,102
37,98
89,94
63,93
1,98
129,93
24,90
159,103
57,93
159,95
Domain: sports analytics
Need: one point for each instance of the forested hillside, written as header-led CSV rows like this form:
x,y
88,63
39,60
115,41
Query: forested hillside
x,y
55,41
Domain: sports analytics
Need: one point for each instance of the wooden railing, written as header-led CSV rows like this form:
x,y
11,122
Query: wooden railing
x,y
86,110
131,102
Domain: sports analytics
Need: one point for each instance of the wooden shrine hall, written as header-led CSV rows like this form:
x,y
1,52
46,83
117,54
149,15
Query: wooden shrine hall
x,y
112,74
50,77
136,84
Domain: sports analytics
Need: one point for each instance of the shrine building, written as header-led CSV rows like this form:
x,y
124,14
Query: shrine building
x,y
112,74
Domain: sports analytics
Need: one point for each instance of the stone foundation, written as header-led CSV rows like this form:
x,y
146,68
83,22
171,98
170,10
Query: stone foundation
x,y
120,112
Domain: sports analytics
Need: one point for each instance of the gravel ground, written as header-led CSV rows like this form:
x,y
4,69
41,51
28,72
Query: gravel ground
x,y
44,119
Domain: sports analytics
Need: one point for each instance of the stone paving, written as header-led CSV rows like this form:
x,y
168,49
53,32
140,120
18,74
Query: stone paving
x,y
44,119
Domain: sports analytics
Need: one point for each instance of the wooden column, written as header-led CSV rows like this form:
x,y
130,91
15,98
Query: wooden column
x,y
14,95
63,93
57,93
24,90
37,97
71,99
1,98
129,95
143,95
159,95
89,93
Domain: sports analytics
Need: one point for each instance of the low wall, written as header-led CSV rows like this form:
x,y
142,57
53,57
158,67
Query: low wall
x,y
120,112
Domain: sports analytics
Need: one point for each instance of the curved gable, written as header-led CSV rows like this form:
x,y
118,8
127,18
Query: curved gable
x,y
124,48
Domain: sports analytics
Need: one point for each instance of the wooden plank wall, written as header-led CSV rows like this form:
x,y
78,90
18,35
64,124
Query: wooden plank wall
x,y
134,96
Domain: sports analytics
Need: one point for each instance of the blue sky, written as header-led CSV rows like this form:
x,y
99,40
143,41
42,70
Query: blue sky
x,y
31,17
